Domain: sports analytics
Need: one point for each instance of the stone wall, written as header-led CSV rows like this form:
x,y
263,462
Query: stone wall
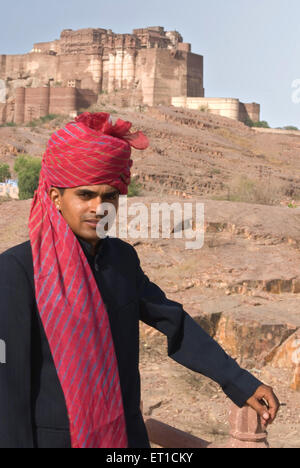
x,y
249,111
226,107
33,103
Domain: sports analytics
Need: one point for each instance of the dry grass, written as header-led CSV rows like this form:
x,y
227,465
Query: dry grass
x,y
257,191
5,199
233,138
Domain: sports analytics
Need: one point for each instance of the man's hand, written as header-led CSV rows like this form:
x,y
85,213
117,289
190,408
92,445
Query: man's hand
x,y
265,403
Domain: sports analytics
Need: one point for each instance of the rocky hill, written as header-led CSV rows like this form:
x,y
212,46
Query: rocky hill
x,y
243,286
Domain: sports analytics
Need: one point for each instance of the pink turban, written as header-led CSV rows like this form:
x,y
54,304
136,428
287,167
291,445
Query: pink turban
x,y
92,151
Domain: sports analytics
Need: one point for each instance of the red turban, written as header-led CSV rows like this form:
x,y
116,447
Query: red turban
x,y
90,151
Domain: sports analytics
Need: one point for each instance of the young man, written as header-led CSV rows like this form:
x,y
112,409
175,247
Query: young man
x,y
70,306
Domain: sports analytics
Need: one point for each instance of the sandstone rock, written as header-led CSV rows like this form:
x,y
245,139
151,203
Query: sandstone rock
x,y
287,354
296,380
249,333
7,150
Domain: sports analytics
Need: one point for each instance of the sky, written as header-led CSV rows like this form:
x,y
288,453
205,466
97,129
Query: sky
x,y
251,48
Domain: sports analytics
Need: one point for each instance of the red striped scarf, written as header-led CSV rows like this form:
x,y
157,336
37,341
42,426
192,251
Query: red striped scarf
x,y
89,151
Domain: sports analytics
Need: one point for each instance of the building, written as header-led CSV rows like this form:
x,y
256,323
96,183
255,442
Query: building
x,y
226,107
68,74
9,189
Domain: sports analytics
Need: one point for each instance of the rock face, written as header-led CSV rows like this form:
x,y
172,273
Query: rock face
x,y
68,74
296,380
224,285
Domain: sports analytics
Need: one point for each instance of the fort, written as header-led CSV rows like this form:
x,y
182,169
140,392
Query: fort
x,y
66,75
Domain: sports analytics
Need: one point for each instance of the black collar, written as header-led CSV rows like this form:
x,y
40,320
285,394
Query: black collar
x,y
87,248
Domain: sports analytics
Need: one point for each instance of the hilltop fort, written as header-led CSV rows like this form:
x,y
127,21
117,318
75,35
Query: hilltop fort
x,y
66,75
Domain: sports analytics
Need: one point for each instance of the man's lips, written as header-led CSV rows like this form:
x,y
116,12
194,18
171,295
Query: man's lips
x,y
92,222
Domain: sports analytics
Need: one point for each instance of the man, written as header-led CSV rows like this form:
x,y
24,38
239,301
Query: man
x,y
70,306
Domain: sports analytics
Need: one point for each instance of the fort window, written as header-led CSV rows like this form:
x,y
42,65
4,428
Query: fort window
x,y
74,84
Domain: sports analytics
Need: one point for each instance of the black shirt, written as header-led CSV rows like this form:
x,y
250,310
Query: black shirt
x,y
33,412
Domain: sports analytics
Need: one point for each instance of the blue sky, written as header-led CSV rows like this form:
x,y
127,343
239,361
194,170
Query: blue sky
x,y
251,48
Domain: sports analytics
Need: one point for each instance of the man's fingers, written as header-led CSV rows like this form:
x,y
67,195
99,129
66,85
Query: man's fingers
x,y
265,403
260,409
272,402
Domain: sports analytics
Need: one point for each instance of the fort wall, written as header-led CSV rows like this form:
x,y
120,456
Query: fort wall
x,y
34,103
226,107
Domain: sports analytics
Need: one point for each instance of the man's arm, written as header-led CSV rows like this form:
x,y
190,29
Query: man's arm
x,y
15,372
190,345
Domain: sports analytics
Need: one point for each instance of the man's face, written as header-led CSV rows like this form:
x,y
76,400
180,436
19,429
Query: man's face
x,y
80,207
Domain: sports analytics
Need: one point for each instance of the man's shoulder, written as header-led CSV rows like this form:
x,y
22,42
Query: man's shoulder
x,y
22,253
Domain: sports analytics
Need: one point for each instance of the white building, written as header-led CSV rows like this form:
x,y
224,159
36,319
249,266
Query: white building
x,y
10,188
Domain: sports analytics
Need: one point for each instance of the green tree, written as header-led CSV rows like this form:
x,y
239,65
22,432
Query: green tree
x,y
4,173
290,127
261,124
249,123
28,170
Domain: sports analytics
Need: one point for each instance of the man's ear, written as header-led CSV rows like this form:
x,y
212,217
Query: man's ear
x,y
55,197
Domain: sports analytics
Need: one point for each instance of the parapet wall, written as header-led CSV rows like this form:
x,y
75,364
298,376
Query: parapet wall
x,y
226,107
33,103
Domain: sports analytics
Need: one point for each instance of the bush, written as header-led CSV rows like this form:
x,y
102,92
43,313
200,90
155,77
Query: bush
x,y
249,123
264,192
9,124
28,171
42,120
290,127
259,124
4,173
134,189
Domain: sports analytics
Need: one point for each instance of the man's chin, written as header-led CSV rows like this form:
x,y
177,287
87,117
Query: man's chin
x,y
91,237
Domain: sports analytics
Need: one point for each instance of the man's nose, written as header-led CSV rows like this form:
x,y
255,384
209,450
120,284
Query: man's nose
x,y
95,203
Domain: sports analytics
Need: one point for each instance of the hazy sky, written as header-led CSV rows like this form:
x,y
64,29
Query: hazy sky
x,y
251,48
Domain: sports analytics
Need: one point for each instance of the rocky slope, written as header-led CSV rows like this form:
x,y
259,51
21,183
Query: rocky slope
x,y
242,286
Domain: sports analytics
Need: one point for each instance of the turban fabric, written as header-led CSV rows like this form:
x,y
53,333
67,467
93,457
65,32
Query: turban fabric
x,y
89,151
